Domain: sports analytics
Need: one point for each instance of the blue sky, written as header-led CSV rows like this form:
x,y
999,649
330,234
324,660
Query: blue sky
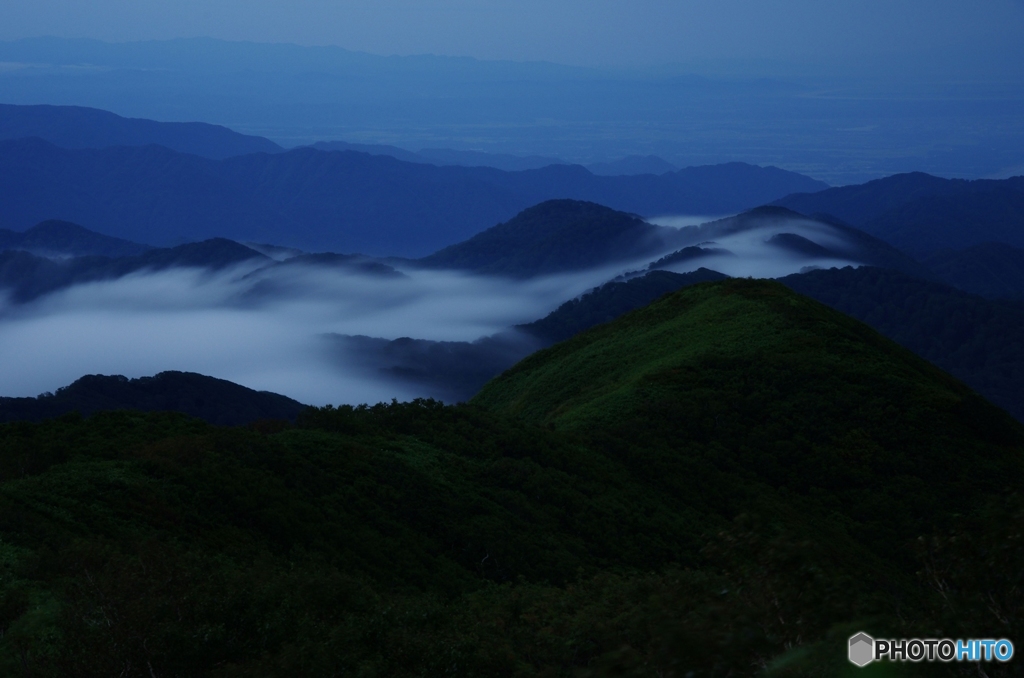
x,y
583,32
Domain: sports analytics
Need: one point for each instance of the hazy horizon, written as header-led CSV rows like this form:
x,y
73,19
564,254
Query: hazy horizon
x,y
599,33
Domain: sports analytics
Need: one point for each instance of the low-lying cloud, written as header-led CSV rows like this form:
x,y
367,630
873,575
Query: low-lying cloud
x,y
266,330
277,328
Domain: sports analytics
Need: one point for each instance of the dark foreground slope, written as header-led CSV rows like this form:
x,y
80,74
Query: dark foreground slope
x,y
214,400
747,379
736,480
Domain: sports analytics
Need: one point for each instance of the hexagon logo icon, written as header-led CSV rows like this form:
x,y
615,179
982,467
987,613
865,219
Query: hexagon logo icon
x,y
862,649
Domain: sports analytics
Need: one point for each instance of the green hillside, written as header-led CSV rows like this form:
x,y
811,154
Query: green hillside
x,y
728,482
743,385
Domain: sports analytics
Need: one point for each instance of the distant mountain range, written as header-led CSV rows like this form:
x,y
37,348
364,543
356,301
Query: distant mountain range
x,y
633,164
694,114
217,401
447,156
83,127
630,165
338,201
924,215
80,127
59,239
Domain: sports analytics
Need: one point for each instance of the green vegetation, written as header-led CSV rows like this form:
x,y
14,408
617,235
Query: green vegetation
x,y
611,300
728,482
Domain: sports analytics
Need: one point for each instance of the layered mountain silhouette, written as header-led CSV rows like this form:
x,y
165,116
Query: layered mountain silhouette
x,y
977,340
58,239
560,236
26,276
923,215
993,270
80,127
629,165
333,201
216,401
633,164
447,156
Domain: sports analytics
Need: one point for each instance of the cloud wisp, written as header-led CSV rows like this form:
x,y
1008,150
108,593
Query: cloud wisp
x,y
277,328
265,330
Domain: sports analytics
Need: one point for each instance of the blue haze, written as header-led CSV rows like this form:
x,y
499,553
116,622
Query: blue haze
x,y
844,91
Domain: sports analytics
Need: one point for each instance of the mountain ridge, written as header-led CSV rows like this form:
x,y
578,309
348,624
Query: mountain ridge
x,y
336,201
922,214
54,238
216,401
76,127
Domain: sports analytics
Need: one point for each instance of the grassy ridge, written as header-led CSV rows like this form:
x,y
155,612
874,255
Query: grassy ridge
x,y
745,380
727,482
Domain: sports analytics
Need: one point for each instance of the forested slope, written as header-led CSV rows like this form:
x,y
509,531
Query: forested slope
x,y
728,481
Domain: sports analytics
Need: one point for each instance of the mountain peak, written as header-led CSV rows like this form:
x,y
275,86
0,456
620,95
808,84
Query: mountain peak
x,y
553,236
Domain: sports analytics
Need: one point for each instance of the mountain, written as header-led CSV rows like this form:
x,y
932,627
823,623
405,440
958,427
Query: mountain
x,y
565,235
770,241
552,237
455,371
79,127
448,371
921,214
355,263
976,340
633,164
372,149
56,239
333,201
702,112
993,270
27,276
446,156
216,401
611,300
732,477
502,161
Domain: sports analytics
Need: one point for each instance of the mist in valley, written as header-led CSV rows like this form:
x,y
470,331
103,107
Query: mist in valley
x,y
326,333
270,329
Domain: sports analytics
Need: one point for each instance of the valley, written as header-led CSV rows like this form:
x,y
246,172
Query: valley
x,y
345,408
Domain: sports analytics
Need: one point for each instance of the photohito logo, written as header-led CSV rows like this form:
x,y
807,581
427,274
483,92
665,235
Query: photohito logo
x,y
864,649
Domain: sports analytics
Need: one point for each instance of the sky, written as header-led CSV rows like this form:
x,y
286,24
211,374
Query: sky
x,y
578,32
